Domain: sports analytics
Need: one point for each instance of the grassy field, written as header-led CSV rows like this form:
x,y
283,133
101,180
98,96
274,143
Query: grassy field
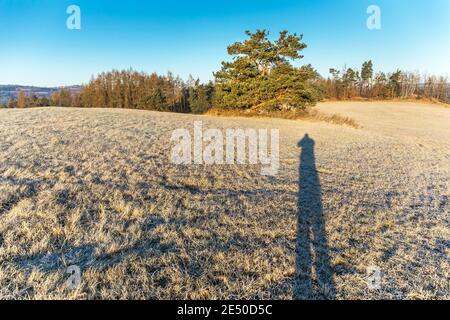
x,y
95,188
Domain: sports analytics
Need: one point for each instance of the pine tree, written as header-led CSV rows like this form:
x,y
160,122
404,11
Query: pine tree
x,y
261,75
200,96
366,76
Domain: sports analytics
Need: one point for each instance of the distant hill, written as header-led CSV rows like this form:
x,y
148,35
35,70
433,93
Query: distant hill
x,y
11,91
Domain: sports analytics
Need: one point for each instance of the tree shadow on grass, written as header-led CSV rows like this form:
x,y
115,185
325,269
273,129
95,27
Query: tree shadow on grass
x,y
29,190
314,272
92,256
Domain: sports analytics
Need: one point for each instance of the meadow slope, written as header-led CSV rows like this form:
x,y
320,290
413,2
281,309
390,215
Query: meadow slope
x,y
95,188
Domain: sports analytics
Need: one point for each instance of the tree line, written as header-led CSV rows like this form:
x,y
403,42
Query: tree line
x,y
24,100
137,90
351,83
262,75
129,89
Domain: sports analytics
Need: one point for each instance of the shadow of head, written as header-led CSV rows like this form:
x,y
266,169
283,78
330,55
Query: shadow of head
x,y
306,142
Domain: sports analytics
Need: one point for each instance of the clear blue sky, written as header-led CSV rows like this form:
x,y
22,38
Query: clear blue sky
x,y
190,37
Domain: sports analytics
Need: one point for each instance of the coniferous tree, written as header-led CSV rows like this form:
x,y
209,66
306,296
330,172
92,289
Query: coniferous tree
x,y
200,96
261,75
366,77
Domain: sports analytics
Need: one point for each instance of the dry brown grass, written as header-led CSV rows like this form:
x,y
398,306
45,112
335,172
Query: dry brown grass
x,y
310,115
419,100
94,188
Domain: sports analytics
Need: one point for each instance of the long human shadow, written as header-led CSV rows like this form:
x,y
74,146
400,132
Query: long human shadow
x,y
314,272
